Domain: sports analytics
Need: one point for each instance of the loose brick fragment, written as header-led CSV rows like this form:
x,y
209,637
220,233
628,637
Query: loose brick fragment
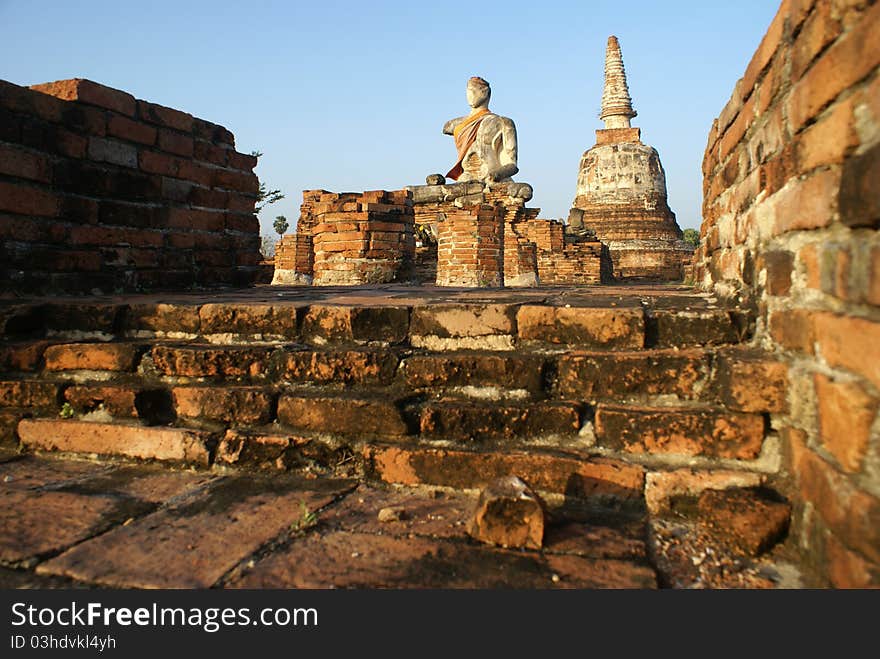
x,y
508,514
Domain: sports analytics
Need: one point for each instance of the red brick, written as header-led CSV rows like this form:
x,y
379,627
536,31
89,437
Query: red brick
x,y
618,375
346,366
662,488
847,569
337,324
859,194
159,317
208,198
469,369
241,161
240,203
103,235
133,131
207,152
681,431
168,117
86,91
809,259
846,413
210,361
152,443
91,356
832,138
247,405
176,143
23,164
818,31
16,198
779,266
21,356
154,162
212,132
747,381
456,419
577,477
347,416
24,229
617,328
734,134
244,222
27,393
744,519
196,173
70,144
850,513
508,514
852,57
195,220
249,319
849,342
808,203
117,401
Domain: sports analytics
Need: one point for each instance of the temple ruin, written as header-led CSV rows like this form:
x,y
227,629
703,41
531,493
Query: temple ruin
x,y
725,434
621,190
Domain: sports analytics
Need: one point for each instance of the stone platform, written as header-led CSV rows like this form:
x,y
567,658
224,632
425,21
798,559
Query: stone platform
x,y
264,429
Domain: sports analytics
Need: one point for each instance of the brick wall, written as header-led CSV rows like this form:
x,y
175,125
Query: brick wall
x,y
294,259
790,226
470,247
564,260
364,238
99,190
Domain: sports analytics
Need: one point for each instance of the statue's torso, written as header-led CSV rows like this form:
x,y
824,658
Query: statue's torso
x,y
485,154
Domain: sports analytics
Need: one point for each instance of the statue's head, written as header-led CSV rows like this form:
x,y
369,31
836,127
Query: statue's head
x,y
478,92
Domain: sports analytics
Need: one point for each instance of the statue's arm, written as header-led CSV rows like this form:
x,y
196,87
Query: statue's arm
x,y
507,154
450,125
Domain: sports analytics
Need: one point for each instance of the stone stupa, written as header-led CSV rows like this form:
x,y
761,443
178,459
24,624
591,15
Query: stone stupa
x,y
621,190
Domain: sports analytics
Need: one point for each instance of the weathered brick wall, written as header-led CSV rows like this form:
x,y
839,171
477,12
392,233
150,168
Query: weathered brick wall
x,y
790,225
470,247
99,190
294,259
565,261
364,238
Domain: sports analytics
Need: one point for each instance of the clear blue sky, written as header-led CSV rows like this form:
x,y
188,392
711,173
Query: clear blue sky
x,y
351,96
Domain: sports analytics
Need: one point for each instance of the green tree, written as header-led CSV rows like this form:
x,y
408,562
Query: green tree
x,y
265,196
691,236
281,225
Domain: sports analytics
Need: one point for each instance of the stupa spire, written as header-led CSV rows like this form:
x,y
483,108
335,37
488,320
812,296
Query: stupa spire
x,y
617,107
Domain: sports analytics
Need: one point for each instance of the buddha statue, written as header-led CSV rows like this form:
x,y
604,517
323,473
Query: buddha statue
x,y
486,142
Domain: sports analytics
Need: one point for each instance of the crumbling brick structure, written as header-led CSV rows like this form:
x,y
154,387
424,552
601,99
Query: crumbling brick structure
x,y
792,228
101,191
528,257
470,247
348,239
564,260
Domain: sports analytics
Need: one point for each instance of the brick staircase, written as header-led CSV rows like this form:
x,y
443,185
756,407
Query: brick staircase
x,y
619,395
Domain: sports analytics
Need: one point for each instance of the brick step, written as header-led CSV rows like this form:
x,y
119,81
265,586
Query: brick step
x,y
711,374
602,324
571,474
695,430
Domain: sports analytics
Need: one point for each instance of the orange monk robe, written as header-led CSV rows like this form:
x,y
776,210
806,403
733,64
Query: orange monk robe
x,y
465,134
